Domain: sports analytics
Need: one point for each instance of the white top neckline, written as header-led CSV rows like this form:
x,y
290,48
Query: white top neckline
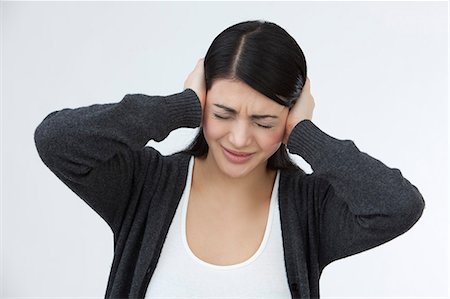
x,y
185,203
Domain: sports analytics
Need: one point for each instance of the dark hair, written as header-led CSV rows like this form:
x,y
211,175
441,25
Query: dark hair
x,y
265,57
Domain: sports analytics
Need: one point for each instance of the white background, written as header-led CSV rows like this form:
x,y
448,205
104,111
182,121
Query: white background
x,y
378,72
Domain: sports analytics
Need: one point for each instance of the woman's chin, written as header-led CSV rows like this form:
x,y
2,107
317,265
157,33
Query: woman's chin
x,y
235,174
236,171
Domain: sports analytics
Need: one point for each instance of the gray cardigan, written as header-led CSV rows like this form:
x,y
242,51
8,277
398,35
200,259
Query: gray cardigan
x,y
350,203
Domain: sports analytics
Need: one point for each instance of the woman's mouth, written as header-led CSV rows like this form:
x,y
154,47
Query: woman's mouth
x,y
237,157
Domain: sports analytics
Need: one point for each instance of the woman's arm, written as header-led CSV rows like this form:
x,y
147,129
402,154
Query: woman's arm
x,y
97,150
361,203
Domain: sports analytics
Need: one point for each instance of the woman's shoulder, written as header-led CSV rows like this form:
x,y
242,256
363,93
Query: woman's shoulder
x,y
299,178
292,173
150,160
153,153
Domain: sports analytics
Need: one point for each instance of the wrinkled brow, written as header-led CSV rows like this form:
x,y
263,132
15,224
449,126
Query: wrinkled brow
x,y
254,116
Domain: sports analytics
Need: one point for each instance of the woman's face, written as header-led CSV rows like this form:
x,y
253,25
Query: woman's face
x,y
240,119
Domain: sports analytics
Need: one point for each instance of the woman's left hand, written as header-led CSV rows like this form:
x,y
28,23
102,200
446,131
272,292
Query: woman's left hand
x,y
302,109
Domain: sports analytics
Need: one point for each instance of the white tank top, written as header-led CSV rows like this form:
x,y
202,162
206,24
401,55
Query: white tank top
x,y
181,274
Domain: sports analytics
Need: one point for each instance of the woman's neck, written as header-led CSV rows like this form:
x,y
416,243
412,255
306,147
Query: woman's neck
x,y
213,183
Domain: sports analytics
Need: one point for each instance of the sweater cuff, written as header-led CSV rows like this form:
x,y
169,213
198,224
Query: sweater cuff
x,y
183,109
312,144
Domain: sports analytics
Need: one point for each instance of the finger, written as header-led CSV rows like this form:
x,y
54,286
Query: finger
x,y
307,83
199,64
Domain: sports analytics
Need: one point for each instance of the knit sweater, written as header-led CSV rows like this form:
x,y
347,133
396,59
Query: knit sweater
x,y
351,202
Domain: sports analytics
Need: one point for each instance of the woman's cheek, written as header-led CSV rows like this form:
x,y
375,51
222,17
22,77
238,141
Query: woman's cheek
x,y
211,128
272,141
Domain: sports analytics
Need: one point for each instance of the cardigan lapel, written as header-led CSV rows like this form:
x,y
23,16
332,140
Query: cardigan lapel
x,y
160,215
292,234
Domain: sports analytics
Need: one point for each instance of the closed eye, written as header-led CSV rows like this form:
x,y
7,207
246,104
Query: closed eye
x,y
262,126
265,127
221,117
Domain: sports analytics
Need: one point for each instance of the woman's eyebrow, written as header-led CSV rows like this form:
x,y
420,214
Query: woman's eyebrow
x,y
254,116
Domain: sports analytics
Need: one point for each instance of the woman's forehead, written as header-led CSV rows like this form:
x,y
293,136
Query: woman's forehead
x,y
237,94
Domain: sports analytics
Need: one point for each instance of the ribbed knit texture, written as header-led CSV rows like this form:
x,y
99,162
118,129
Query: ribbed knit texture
x,y
350,203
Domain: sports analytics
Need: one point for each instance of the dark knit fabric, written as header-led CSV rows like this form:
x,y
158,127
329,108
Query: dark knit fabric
x,y
350,203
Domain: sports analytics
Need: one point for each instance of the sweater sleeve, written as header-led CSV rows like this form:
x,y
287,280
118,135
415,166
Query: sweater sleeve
x,y
359,202
97,150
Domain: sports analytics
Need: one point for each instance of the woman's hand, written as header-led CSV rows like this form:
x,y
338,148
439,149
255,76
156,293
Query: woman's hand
x,y
303,109
196,82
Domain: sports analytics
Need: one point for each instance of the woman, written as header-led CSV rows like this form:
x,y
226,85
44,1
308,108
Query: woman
x,y
232,215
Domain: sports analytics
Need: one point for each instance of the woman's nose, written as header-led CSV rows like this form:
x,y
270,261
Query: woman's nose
x,y
239,135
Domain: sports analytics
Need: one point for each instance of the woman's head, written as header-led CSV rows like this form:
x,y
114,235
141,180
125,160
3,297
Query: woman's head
x,y
262,55
253,67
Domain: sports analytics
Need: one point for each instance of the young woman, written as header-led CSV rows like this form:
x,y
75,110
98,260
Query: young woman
x,y
232,215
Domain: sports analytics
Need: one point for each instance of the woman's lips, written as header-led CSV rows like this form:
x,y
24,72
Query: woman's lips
x,y
236,157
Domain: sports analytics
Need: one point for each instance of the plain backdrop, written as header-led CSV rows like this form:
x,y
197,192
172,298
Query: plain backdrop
x,y
378,71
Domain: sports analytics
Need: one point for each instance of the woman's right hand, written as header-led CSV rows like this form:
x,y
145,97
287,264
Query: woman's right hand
x,y
196,82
